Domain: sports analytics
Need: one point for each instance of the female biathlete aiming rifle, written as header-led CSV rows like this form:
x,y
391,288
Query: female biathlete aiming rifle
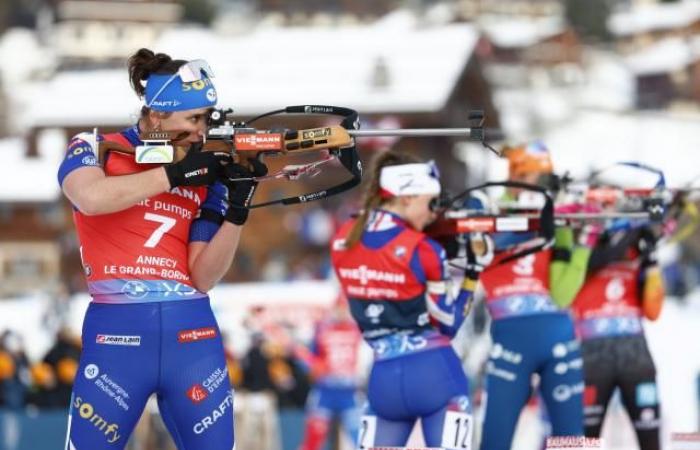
x,y
624,285
395,279
527,288
154,239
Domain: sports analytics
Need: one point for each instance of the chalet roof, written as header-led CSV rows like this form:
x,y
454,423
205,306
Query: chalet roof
x,y
665,56
520,32
654,16
272,68
587,140
597,139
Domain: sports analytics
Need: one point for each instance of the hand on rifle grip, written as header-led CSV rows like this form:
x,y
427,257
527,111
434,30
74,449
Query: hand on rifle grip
x,y
646,246
197,168
241,191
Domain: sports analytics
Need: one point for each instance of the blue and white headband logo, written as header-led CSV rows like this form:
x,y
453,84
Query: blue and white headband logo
x,y
189,88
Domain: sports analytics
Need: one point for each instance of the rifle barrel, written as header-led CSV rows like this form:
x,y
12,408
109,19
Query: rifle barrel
x,y
603,215
418,132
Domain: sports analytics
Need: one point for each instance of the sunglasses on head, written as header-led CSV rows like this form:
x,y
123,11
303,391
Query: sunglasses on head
x,y
191,71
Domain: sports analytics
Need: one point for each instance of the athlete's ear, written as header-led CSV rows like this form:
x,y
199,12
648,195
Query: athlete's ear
x,y
155,119
408,200
398,201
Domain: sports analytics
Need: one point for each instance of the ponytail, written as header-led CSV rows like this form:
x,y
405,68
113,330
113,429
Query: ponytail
x,y
372,198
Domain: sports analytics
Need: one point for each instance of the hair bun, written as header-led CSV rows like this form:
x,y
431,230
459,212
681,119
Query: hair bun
x,y
145,62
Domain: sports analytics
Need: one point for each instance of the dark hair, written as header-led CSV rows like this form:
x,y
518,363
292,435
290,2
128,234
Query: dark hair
x,y
372,197
143,63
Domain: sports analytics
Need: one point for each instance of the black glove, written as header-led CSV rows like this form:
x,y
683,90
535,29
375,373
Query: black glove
x,y
452,246
197,168
240,193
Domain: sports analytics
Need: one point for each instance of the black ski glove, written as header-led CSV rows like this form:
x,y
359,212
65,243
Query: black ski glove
x,y
646,246
240,193
197,168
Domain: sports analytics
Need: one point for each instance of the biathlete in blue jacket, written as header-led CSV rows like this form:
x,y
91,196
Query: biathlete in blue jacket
x,y
395,279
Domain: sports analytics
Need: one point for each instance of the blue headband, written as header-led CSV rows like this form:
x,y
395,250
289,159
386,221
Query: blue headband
x,y
169,93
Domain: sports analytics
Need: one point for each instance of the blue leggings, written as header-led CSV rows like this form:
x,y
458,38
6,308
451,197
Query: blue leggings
x,y
429,385
130,351
544,344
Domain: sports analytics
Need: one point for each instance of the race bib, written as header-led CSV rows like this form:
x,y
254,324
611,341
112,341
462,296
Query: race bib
x,y
368,432
457,430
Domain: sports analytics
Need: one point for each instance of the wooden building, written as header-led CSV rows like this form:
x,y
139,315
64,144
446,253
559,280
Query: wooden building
x,y
530,41
86,33
659,42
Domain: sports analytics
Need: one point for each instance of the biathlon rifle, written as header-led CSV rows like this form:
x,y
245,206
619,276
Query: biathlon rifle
x,y
455,220
659,204
335,142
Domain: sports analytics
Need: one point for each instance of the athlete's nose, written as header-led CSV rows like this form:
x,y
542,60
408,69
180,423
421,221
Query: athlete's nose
x,y
196,136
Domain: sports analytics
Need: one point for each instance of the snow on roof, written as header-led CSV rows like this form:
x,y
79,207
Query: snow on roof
x,y
665,56
597,139
608,84
31,179
654,16
22,56
592,140
519,32
272,68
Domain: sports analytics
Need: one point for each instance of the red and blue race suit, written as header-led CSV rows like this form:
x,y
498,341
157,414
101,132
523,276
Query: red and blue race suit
x,y
396,283
147,329
333,362
608,304
530,335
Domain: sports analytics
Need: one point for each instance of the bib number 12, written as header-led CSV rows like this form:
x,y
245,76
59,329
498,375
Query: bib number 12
x,y
457,431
